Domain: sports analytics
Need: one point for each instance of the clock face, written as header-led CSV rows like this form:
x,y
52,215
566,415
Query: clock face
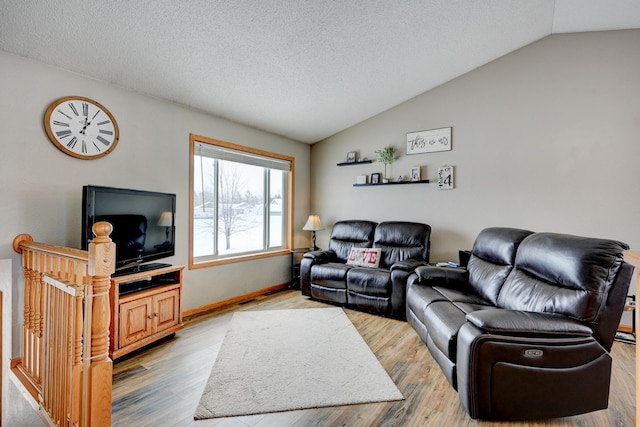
x,y
81,127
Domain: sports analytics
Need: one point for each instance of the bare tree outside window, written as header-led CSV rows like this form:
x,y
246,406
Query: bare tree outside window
x,y
237,204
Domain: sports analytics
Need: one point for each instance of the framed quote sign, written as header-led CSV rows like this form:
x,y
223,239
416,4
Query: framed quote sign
x,y
445,178
428,141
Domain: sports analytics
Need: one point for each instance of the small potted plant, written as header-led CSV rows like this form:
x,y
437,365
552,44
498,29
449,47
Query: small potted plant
x,y
387,156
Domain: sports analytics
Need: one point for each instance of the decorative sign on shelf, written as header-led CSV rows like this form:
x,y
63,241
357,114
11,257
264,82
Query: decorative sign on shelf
x,y
445,178
428,141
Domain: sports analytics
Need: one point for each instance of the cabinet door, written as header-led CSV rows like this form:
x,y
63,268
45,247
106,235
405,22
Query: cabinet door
x,y
167,309
136,320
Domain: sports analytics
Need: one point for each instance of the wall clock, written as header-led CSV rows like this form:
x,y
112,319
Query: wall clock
x,y
81,127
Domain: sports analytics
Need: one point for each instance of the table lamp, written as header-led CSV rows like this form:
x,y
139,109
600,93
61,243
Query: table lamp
x,y
166,220
313,224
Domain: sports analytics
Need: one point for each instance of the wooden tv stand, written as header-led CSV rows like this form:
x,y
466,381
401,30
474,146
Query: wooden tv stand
x,y
145,306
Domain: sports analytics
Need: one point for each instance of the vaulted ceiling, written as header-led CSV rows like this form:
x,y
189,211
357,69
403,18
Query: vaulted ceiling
x,y
304,69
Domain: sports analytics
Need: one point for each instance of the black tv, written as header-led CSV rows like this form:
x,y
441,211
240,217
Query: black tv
x,y
143,224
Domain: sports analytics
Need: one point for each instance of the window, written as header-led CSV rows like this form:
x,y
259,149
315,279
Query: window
x,y
240,205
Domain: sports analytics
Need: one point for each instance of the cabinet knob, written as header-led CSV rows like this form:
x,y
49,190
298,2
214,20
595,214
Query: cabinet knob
x,y
149,317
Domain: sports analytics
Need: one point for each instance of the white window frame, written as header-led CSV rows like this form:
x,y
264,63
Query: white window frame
x,y
228,151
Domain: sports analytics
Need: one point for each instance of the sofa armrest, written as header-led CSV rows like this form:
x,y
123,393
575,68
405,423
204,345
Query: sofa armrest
x,y
319,257
407,265
523,323
515,365
310,259
449,277
401,271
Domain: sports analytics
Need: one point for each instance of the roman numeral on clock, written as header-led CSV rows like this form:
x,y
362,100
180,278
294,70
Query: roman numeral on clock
x,y
63,133
60,111
85,109
73,108
72,143
55,122
104,141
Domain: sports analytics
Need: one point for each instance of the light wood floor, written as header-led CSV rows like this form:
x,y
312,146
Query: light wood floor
x,y
161,386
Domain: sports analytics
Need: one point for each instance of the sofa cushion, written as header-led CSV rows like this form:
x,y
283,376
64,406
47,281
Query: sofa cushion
x,y
418,297
471,307
368,302
332,294
443,320
442,311
332,275
487,278
348,234
401,240
492,259
498,245
369,281
573,281
364,257
458,296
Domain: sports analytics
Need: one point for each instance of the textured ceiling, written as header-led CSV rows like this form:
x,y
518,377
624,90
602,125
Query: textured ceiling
x,y
302,69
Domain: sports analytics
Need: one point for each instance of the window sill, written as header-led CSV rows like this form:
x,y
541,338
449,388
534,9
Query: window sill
x,y
233,259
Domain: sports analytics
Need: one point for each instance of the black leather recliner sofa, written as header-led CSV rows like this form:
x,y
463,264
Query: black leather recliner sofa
x,y
326,275
525,331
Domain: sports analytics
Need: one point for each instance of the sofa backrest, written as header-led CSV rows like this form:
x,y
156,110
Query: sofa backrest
x,y
492,259
561,273
350,233
402,240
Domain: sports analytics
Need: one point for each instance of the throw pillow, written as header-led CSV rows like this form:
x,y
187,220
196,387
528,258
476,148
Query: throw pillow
x,y
364,257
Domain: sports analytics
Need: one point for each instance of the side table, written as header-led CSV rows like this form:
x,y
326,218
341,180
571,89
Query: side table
x,y
296,259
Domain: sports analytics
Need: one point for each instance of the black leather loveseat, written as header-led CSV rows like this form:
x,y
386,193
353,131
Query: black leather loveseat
x,y
331,276
525,331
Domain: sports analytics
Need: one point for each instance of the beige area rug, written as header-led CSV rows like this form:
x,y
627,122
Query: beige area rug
x,y
282,360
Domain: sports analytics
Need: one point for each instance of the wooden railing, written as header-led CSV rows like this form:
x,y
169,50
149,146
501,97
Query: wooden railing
x,y
65,363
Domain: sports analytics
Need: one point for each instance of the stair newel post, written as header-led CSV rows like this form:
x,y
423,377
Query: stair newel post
x,y
102,253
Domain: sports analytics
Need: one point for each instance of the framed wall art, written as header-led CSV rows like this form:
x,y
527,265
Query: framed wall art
x,y
428,141
375,178
415,173
445,178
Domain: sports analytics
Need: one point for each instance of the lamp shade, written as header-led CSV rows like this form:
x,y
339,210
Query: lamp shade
x,y
166,219
313,223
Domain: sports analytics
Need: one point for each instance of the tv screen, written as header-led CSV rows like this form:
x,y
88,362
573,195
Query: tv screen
x,y
143,224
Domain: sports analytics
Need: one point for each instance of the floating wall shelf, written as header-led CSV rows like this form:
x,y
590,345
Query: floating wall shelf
x,y
423,181
361,162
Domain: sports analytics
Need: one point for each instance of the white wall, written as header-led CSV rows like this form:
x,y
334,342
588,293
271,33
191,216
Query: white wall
x,y
546,138
41,186
7,329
